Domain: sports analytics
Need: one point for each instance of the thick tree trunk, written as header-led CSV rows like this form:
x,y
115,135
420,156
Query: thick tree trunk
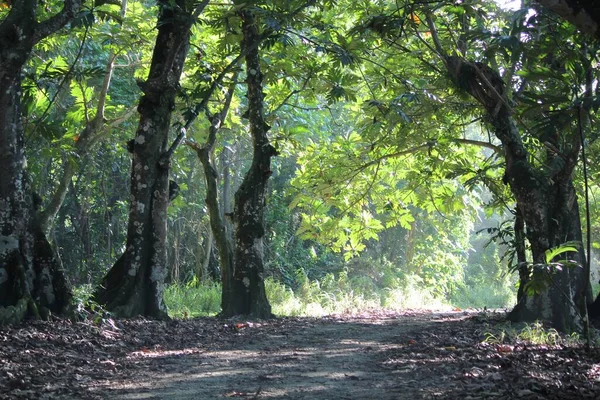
x,y
560,304
30,276
249,297
546,201
134,285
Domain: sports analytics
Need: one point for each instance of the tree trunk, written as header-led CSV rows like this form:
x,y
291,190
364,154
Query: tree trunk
x,y
134,285
521,253
81,222
31,280
175,257
208,255
550,222
218,227
546,200
249,297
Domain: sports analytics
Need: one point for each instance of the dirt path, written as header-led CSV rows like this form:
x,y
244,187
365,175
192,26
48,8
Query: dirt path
x,y
328,359
375,356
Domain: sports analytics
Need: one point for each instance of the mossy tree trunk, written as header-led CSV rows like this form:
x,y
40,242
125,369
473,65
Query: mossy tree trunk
x,y
546,200
134,285
31,279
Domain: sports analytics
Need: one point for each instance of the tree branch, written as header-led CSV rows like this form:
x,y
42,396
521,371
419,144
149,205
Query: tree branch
x,y
51,25
488,145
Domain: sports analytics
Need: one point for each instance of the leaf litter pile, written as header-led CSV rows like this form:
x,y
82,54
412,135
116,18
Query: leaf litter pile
x,y
412,355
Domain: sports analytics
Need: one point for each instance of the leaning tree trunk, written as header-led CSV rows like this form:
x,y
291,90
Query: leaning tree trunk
x,y
521,253
134,285
218,224
249,297
547,203
30,277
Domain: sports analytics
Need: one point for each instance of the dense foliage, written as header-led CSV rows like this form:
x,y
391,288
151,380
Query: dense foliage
x,y
389,183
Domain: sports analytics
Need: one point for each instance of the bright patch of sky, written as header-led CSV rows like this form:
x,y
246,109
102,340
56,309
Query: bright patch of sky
x,y
509,4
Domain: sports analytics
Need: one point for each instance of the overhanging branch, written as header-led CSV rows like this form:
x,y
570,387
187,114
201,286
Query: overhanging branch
x,y
584,14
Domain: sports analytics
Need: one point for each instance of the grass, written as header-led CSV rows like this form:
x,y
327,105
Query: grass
x,y
194,299
534,333
490,295
330,295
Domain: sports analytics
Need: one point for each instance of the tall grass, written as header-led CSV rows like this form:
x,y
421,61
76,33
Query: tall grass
x,y
193,299
336,295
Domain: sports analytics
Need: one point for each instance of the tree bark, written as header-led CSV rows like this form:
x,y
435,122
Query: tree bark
x,y
31,280
207,256
249,297
521,253
134,285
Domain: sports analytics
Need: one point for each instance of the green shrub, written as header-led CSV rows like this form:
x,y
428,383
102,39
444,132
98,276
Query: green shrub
x,y
536,333
84,308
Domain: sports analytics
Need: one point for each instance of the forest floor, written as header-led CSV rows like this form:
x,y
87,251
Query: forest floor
x,y
409,355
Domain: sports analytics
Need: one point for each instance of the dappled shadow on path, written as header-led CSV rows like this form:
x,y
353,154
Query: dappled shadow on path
x,y
394,356
299,358
407,355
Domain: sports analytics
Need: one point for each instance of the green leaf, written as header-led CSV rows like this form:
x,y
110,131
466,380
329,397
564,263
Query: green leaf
x,y
568,247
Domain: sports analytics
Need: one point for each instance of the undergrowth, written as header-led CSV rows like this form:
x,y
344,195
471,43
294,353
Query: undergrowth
x,y
193,299
84,308
346,292
532,333
332,294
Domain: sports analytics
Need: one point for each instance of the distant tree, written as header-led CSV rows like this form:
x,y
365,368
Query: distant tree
x,y
94,124
218,224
